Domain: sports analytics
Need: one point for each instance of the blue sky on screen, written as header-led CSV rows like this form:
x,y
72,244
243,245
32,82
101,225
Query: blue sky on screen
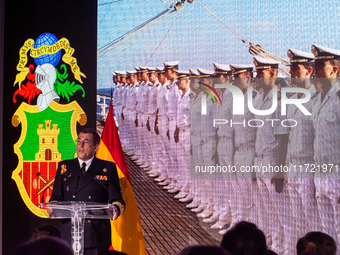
x,y
197,39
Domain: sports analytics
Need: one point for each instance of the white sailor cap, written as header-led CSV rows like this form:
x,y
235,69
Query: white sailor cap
x,y
114,74
151,69
265,63
182,74
205,72
299,56
160,69
194,73
143,69
241,68
324,53
171,65
121,73
221,68
131,72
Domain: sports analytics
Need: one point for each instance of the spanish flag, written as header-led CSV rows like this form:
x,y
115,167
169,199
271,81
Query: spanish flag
x,y
127,234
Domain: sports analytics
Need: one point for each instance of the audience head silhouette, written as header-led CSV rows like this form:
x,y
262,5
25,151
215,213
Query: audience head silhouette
x,y
316,243
245,239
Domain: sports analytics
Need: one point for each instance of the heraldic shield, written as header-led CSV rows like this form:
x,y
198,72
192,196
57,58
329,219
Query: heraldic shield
x,y
47,137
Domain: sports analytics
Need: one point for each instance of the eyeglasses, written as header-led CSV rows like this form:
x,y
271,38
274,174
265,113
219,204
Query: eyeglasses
x,y
85,141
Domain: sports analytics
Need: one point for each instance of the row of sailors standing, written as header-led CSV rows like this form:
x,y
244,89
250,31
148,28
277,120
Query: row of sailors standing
x,y
284,205
153,112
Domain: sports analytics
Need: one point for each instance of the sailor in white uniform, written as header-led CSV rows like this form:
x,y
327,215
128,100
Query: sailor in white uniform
x,y
326,120
142,118
300,151
222,186
174,98
153,90
208,146
195,190
162,126
182,134
115,92
270,150
244,187
131,106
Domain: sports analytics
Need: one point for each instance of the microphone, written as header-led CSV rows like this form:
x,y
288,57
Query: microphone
x,y
95,179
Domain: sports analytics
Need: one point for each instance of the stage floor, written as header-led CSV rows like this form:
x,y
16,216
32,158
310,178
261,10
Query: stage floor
x,y
168,226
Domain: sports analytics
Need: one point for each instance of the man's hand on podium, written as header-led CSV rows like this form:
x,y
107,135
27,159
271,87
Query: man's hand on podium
x,y
114,213
50,211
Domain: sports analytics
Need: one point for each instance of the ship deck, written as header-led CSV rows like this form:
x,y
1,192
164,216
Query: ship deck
x,y
168,226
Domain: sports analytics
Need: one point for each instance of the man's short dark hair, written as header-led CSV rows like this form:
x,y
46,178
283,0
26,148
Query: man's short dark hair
x,y
245,238
96,137
316,243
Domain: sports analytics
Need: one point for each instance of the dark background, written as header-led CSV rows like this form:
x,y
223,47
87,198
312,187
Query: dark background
x,y
74,20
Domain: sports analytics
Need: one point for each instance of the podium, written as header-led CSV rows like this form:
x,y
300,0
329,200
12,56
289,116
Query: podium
x,y
78,211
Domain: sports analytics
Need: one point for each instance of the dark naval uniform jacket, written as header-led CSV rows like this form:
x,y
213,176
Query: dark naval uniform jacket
x,y
99,184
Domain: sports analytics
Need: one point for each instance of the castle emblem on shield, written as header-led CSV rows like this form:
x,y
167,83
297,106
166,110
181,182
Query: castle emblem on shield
x,y
48,128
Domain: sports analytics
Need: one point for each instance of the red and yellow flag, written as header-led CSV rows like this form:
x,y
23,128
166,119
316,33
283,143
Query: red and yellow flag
x,y
127,234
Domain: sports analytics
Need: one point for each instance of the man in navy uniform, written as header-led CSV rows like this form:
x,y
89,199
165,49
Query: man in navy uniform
x,y
89,179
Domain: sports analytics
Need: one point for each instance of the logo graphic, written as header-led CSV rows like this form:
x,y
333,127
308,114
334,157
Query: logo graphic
x,y
209,93
238,100
46,138
47,82
48,129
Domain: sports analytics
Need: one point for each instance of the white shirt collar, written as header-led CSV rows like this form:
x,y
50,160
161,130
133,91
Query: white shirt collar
x,y
88,163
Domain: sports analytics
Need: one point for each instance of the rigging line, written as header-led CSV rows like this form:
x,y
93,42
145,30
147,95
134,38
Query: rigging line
x,y
164,36
110,2
127,39
104,16
108,45
243,39
255,49
136,34
164,4
132,31
115,46
126,48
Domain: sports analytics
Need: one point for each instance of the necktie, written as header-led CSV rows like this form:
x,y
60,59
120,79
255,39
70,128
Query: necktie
x,y
82,169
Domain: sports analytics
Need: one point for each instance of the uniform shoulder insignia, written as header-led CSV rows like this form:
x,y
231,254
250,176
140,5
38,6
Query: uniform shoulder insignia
x,y
168,86
192,95
279,95
254,93
317,93
137,85
150,84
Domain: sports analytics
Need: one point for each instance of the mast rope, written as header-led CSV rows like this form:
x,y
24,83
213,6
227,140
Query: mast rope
x,y
164,36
